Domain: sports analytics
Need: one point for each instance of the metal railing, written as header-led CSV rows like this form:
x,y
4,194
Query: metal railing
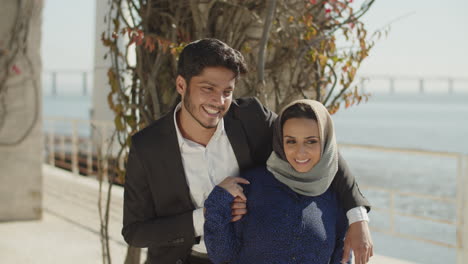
x,y
74,144
393,212
459,201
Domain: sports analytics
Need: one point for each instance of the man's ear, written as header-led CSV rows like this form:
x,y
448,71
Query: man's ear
x,y
181,85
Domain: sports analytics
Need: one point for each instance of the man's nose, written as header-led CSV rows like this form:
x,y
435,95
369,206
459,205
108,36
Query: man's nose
x,y
218,99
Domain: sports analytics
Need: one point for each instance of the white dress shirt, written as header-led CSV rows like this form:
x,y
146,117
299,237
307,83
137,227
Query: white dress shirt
x,y
206,167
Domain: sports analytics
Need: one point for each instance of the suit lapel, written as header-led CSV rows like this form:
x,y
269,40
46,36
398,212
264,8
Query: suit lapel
x,y
174,168
238,140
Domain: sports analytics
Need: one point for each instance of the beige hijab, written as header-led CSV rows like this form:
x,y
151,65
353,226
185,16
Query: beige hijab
x,y
316,181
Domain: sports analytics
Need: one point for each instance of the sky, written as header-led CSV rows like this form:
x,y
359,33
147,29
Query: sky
x,y
68,34
430,39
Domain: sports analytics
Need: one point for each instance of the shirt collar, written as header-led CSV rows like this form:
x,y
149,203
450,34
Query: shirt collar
x,y
219,129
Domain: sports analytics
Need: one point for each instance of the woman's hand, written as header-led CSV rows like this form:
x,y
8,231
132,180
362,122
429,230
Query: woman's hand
x,y
231,184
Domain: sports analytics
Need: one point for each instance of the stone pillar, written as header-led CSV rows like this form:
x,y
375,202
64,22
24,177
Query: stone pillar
x,y
100,108
21,139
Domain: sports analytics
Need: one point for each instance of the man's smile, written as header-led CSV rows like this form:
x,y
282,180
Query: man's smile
x,y
212,111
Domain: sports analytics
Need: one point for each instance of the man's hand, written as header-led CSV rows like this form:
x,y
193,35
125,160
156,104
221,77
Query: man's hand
x,y
359,240
239,209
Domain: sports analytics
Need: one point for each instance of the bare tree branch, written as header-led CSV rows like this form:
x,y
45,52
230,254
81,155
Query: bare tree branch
x,y
263,43
335,80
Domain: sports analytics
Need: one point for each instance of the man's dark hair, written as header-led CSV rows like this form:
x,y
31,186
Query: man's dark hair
x,y
298,110
209,52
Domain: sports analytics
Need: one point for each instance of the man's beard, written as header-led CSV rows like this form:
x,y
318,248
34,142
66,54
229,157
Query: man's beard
x,y
190,108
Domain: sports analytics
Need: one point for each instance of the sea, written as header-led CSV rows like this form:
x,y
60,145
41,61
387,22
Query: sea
x,y
427,123
434,122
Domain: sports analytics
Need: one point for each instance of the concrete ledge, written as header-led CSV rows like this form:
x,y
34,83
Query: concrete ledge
x,y
69,230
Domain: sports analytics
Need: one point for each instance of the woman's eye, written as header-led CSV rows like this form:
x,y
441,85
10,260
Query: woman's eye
x,y
290,141
312,141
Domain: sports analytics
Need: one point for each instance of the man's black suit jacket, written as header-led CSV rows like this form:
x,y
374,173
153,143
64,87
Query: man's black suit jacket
x,y
157,203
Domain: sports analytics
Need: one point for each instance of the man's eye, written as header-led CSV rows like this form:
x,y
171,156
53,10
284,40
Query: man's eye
x,y
207,89
227,93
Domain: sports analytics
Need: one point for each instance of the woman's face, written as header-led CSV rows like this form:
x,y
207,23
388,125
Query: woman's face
x,y
301,143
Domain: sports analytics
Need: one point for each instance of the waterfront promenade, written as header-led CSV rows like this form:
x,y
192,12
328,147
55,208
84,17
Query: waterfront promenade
x,y
69,229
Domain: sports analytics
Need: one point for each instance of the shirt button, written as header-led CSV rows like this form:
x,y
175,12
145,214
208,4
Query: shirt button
x,y
179,261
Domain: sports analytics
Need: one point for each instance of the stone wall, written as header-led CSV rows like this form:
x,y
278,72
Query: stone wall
x,y
20,111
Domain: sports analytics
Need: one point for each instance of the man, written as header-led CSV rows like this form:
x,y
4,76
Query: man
x,y
175,162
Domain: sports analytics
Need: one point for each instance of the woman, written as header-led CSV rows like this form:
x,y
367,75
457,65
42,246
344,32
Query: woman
x,y
294,216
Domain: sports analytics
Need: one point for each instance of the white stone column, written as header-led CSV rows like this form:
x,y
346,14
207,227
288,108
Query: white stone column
x,y
100,108
21,139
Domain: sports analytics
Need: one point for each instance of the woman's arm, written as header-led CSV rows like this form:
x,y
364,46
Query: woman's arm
x,y
222,237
